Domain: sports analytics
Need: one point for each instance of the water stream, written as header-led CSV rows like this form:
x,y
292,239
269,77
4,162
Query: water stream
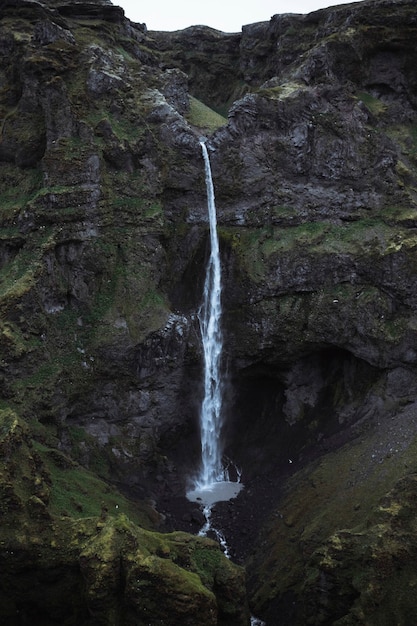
x,y
212,483
212,339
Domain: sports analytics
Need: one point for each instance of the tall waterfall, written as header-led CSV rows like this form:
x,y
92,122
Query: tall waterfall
x,y
212,483
211,335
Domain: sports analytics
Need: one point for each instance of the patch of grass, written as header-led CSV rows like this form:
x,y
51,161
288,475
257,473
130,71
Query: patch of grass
x,y
283,211
12,341
258,249
55,190
247,246
406,136
98,458
66,320
367,235
310,233
371,236
127,202
339,491
16,282
280,92
398,214
376,106
18,276
124,128
201,116
41,376
153,210
18,186
123,52
8,421
152,299
78,493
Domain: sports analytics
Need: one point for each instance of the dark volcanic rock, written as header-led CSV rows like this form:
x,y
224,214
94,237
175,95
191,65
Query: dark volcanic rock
x,y
210,59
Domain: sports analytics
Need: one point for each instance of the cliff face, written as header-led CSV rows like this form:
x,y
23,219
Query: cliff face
x,y
90,145
90,387
102,253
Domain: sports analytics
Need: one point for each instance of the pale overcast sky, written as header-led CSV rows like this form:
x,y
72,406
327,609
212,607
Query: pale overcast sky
x,y
224,15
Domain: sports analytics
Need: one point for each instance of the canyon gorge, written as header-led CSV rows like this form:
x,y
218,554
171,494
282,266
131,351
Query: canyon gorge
x,y
310,124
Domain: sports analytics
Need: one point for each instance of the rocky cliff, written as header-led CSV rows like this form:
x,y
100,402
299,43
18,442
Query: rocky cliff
x,y
102,252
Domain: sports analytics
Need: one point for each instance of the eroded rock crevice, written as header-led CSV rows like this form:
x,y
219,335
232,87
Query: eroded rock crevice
x,y
303,408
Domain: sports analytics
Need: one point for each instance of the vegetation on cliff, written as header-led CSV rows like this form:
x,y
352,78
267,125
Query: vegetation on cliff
x,y
73,550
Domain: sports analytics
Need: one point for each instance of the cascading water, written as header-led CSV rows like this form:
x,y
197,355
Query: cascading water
x,y
211,335
212,484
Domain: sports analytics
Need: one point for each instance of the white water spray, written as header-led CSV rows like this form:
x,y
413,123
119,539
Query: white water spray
x,y
211,335
213,483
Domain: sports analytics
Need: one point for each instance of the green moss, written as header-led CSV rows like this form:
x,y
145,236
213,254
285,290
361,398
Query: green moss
x,y
152,299
79,493
124,128
13,343
126,202
308,234
18,187
280,92
246,245
207,560
59,517
153,210
18,276
43,374
256,247
129,293
374,104
283,212
9,421
405,136
77,434
397,215
104,299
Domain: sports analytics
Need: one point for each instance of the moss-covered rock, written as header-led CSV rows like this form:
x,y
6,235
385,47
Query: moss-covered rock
x,y
70,554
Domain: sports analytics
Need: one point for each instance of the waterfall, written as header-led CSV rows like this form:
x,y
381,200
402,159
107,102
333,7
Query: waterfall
x,y
212,483
211,335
